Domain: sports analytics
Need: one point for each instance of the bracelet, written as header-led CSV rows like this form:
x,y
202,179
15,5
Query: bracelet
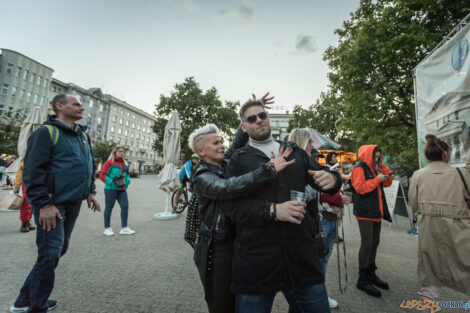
x,y
272,211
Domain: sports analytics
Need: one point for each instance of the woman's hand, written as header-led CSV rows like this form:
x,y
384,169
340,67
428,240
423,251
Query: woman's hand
x,y
280,162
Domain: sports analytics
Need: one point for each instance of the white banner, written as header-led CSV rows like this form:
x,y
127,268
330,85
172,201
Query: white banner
x,y
442,88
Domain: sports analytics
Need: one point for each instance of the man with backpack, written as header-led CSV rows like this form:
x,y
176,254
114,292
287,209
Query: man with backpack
x,y
58,174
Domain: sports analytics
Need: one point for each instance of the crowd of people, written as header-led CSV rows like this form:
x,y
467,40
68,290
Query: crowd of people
x,y
268,212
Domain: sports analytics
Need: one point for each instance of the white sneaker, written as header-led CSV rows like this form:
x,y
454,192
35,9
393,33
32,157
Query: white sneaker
x,y
126,231
108,231
333,303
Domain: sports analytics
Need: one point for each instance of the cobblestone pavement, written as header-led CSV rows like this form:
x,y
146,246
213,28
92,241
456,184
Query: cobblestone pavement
x,y
153,271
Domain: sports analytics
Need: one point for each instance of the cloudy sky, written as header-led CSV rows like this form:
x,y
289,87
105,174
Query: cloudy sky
x,y
137,50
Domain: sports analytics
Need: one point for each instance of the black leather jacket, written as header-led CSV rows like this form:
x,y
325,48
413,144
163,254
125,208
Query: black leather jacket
x,y
211,188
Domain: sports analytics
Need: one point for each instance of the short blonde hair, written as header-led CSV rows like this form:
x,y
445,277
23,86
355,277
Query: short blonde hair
x,y
196,138
301,137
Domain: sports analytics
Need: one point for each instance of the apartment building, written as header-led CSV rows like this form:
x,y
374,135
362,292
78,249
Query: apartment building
x,y
24,83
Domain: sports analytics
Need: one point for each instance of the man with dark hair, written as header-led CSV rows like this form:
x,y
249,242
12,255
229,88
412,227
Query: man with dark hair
x,y
275,256
58,174
331,158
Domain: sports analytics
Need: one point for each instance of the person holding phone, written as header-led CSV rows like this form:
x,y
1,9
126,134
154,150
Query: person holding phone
x,y
368,179
115,175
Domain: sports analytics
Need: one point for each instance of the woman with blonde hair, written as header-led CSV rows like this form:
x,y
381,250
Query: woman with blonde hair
x,y
115,175
440,198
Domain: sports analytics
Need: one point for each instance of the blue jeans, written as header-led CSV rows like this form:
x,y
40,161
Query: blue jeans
x,y
329,230
110,198
312,299
51,246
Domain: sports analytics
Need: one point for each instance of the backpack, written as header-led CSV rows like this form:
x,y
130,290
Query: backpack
x,y
54,133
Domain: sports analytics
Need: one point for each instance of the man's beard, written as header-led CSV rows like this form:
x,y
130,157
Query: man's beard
x,y
261,137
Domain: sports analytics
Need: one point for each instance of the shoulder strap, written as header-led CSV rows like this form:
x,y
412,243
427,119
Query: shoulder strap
x,y
463,180
54,133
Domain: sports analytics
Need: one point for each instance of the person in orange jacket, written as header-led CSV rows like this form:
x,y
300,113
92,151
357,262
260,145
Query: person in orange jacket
x,y
368,179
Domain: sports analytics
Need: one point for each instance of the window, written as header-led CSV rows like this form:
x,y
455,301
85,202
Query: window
x,y
42,101
35,99
133,125
138,127
22,94
9,68
25,74
143,129
28,96
138,136
120,121
437,123
132,135
125,133
119,140
111,138
456,115
119,131
5,89
127,113
114,118
38,82
13,91
112,129
101,108
133,116
45,82
114,108
91,104
127,123
32,77
18,71
99,120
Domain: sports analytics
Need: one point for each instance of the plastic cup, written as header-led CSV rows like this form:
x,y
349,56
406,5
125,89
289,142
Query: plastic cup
x,y
298,196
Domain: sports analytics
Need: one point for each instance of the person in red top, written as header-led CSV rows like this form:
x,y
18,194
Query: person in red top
x,y
368,179
115,175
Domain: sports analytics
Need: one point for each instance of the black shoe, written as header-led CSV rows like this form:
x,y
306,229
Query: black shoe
x,y
374,279
338,239
367,287
378,282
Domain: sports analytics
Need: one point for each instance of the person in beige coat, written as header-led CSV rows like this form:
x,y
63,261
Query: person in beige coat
x,y
441,201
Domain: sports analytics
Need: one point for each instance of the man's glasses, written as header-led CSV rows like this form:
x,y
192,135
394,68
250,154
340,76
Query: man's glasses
x,y
252,118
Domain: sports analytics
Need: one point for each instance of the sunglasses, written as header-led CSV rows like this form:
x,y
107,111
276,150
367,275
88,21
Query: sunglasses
x,y
253,118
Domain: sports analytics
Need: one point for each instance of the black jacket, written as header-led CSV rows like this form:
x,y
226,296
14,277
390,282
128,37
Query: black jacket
x,y
269,256
212,188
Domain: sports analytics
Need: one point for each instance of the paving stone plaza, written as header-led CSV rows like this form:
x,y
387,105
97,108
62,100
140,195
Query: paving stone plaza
x,y
153,270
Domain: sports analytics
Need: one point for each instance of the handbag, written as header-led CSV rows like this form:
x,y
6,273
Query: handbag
x,y
321,246
17,204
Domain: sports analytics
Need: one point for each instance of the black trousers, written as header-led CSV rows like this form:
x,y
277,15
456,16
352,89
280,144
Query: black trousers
x,y
221,300
370,239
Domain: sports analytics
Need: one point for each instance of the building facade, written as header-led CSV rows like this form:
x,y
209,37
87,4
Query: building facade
x,y
95,116
133,129
279,124
24,83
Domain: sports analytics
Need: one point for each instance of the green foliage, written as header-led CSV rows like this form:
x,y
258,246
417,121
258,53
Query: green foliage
x,y
371,69
324,116
102,150
10,126
195,109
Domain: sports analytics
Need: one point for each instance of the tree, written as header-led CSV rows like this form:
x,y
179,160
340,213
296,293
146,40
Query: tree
x,y
325,116
371,68
195,109
102,150
10,126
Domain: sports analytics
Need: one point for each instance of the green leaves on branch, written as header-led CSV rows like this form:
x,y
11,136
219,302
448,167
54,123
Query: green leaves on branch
x,y
196,109
371,69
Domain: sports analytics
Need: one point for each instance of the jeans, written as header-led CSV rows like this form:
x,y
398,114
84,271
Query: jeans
x,y
329,230
110,199
51,246
312,299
